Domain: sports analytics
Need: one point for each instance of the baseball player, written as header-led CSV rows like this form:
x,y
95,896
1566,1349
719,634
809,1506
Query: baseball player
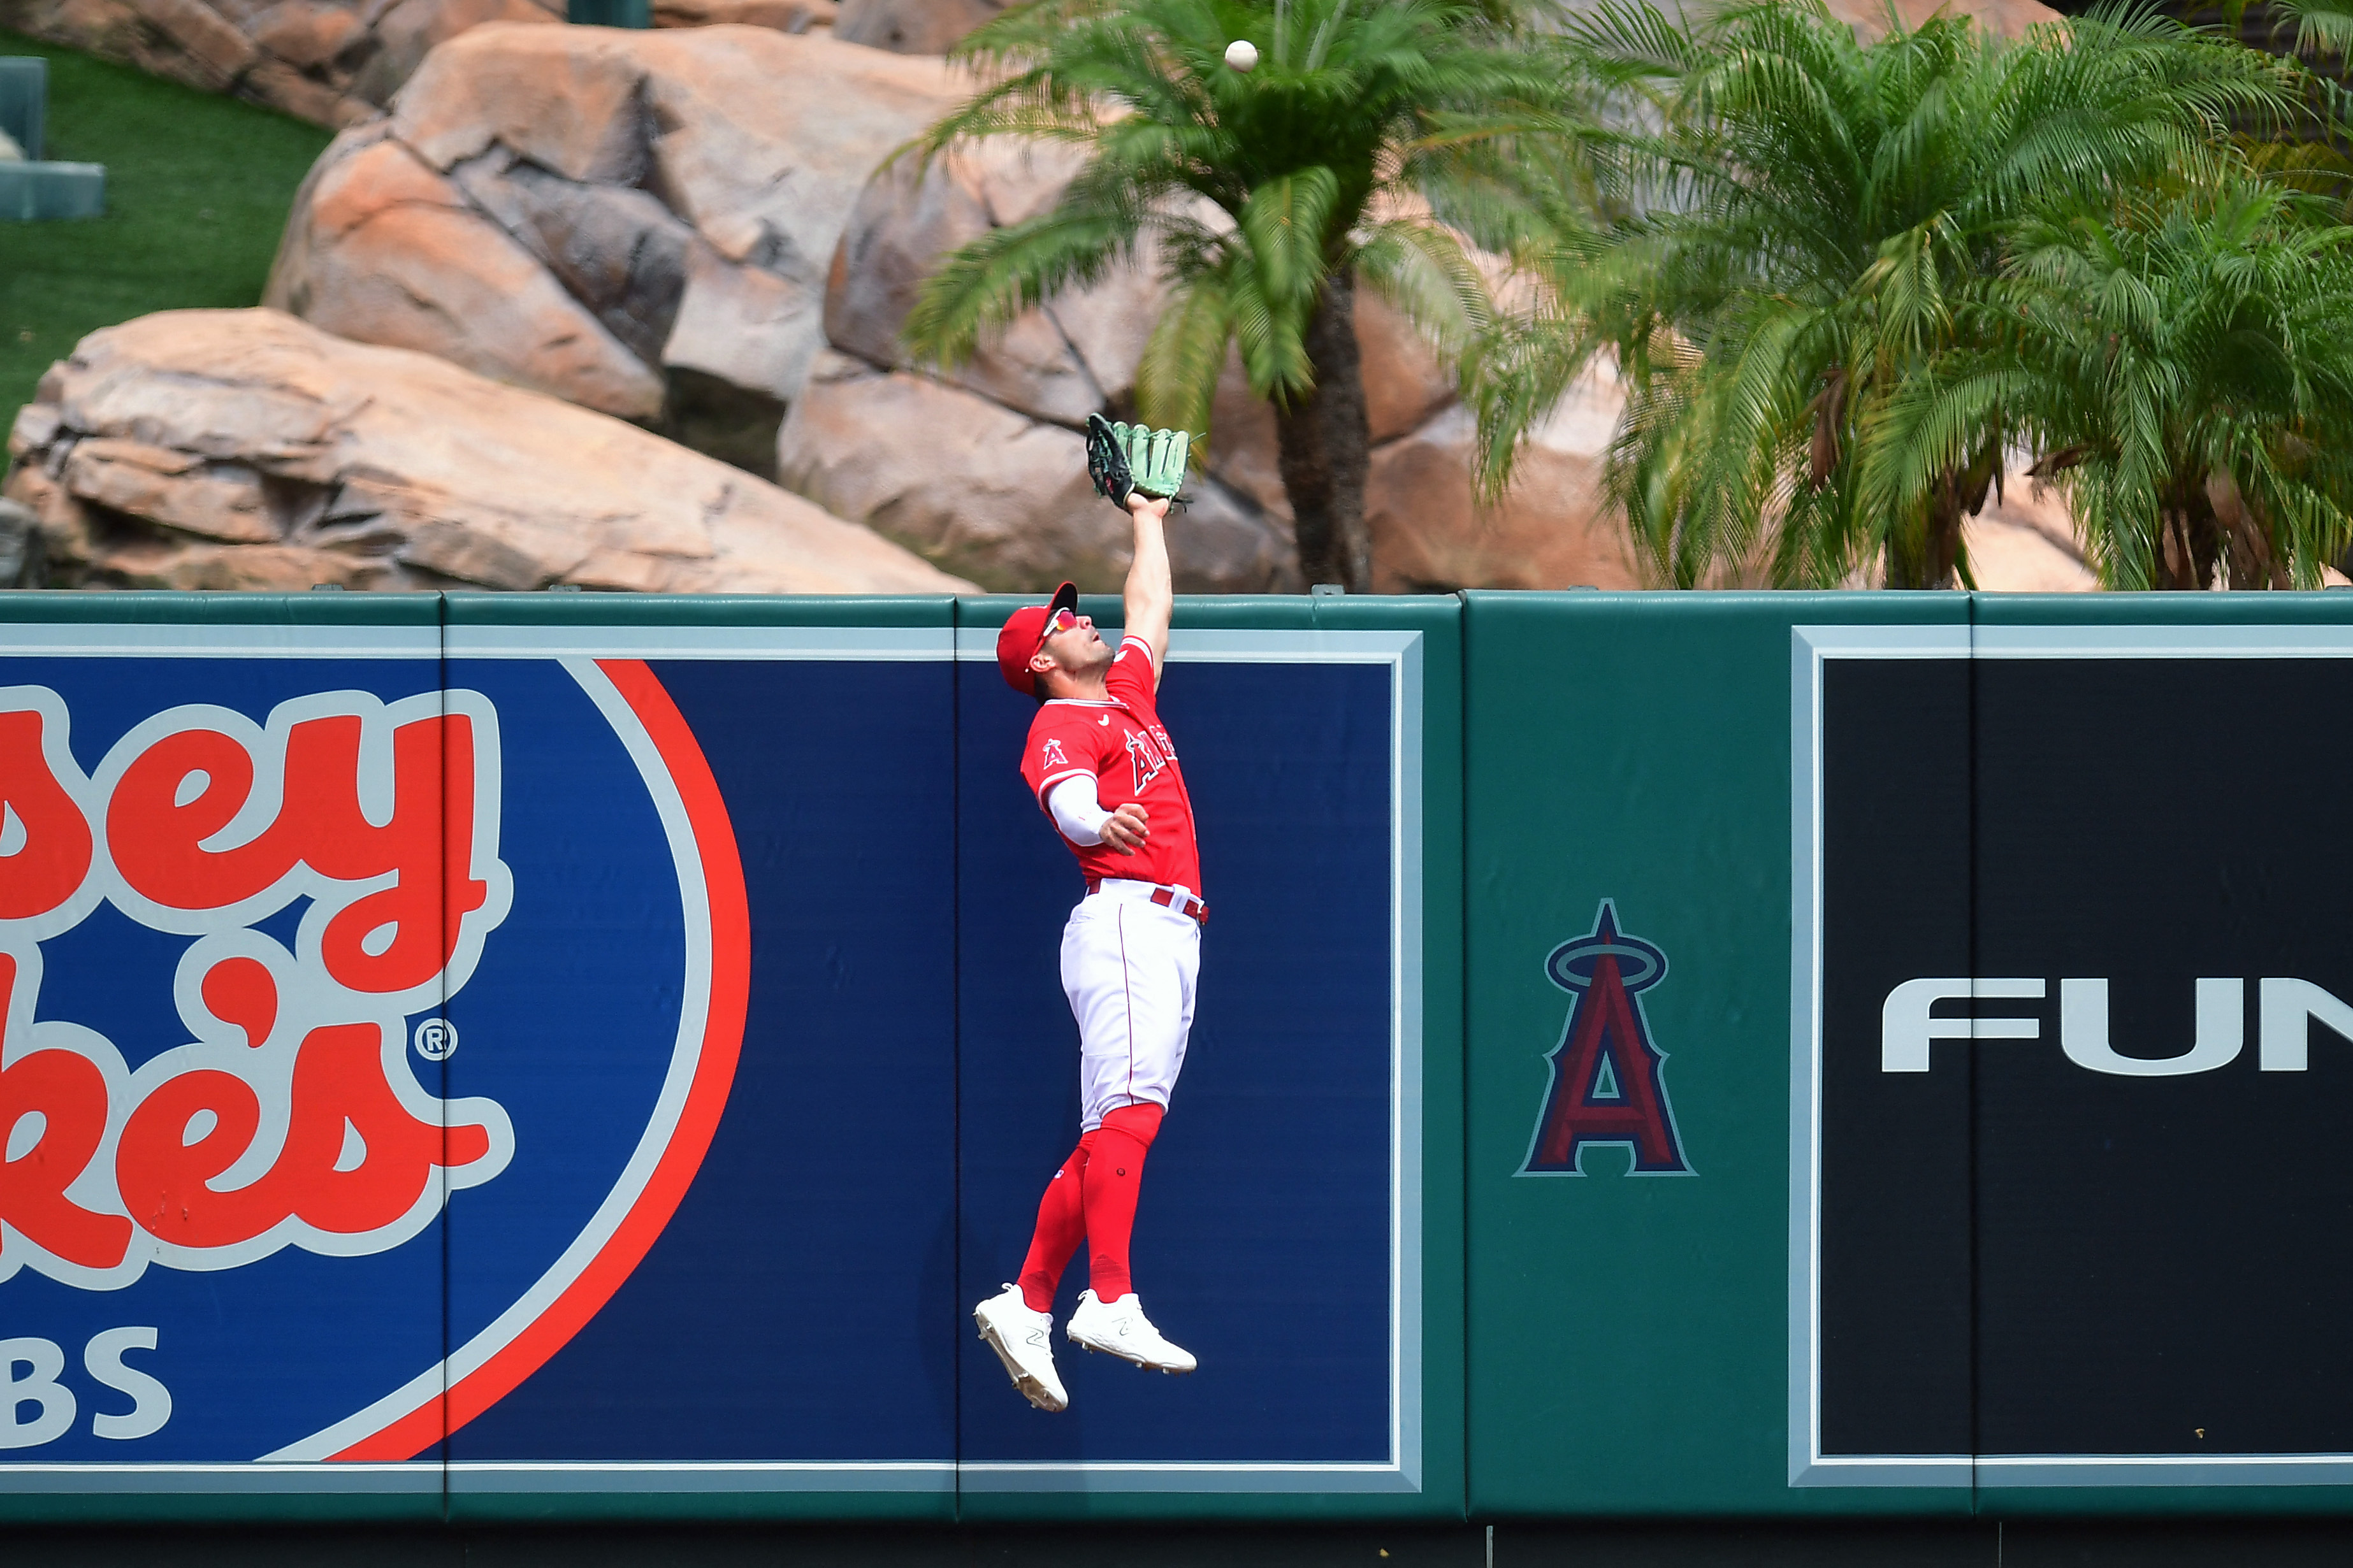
x,y
1100,764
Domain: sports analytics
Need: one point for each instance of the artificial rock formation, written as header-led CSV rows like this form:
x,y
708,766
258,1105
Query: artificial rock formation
x,y
639,223
332,62
242,450
2003,18
670,227
992,486
982,468
783,15
2023,541
912,27
1553,529
994,495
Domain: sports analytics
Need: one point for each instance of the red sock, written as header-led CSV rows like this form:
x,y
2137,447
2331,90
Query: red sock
x,y
1062,1223
1114,1173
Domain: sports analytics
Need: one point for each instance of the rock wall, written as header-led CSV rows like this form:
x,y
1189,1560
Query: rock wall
x,y
2003,18
639,223
332,62
242,450
996,489
702,232
982,468
2024,541
912,27
783,15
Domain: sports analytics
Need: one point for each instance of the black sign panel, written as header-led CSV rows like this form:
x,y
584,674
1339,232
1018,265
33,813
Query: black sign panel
x,y
1896,1147
2117,1223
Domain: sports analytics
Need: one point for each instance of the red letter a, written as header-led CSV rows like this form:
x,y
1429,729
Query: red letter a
x,y
1605,1072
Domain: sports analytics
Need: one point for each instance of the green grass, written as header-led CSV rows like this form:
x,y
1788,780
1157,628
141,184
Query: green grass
x,y
198,188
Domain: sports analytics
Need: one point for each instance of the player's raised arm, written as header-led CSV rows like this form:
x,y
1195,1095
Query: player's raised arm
x,y
1149,597
1140,470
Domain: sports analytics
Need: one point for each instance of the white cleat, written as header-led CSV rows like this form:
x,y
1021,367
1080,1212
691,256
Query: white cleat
x,y
1024,1341
1120,1327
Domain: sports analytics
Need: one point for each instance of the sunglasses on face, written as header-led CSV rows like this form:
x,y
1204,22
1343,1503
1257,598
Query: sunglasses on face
x,y
1062,620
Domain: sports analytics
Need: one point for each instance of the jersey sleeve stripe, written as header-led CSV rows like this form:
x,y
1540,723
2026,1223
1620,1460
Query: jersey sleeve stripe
x,y
1046,785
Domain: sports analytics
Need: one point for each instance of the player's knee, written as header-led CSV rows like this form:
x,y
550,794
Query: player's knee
x,y
1141,1122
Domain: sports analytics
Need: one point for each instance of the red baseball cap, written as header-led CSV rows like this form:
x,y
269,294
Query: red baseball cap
x,y
1024,630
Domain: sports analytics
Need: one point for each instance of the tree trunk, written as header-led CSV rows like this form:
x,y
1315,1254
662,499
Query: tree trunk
x,y
1324,448
2189,537
1930,564
2249,560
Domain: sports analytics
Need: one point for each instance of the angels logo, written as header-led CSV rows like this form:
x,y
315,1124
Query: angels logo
x,y
236,943
1606,1086
1054,756
1145,758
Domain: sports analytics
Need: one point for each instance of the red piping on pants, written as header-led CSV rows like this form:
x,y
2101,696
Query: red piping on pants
x,y
1127,996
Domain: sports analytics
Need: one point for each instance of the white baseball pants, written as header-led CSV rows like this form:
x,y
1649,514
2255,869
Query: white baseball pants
x,y
1128,967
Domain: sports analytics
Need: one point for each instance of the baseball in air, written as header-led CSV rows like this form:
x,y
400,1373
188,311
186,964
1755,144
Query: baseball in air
x,y
1241,54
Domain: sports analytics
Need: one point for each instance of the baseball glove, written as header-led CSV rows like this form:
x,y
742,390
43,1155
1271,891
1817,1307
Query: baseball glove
x,y
1134,458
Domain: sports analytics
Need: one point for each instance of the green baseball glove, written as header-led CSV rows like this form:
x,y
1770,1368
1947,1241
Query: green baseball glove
x,y
1123,458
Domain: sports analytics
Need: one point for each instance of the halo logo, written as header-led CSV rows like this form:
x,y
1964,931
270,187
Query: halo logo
x,y
1605,1086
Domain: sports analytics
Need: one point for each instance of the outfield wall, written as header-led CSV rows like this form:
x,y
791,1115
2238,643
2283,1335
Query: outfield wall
x,y
563,1056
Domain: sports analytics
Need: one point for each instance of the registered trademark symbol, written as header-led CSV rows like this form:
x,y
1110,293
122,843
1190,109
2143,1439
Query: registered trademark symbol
x,y
436,1039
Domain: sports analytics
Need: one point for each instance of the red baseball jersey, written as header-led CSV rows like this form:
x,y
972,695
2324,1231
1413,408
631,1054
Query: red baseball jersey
x,y
1123,743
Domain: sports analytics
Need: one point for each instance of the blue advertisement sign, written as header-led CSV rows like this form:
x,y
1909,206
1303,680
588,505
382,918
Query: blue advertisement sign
x,y
531,1059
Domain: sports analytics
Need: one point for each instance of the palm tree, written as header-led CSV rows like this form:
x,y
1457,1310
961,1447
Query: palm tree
x,y
2184,367
1801,222
2315,154
1264,198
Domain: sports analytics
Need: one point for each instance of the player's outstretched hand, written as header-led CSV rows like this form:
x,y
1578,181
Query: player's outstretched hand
x,y
1125,830
1154,507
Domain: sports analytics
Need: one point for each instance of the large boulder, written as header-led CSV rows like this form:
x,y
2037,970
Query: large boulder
x,y
908,214
2003,18
641,222
229,449
995,495
2023,540
785,16
1554,529
993,488
912,27
332,62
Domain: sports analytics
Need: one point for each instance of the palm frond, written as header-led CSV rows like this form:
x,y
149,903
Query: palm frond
x,y
989,283
1837,239
1176,380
